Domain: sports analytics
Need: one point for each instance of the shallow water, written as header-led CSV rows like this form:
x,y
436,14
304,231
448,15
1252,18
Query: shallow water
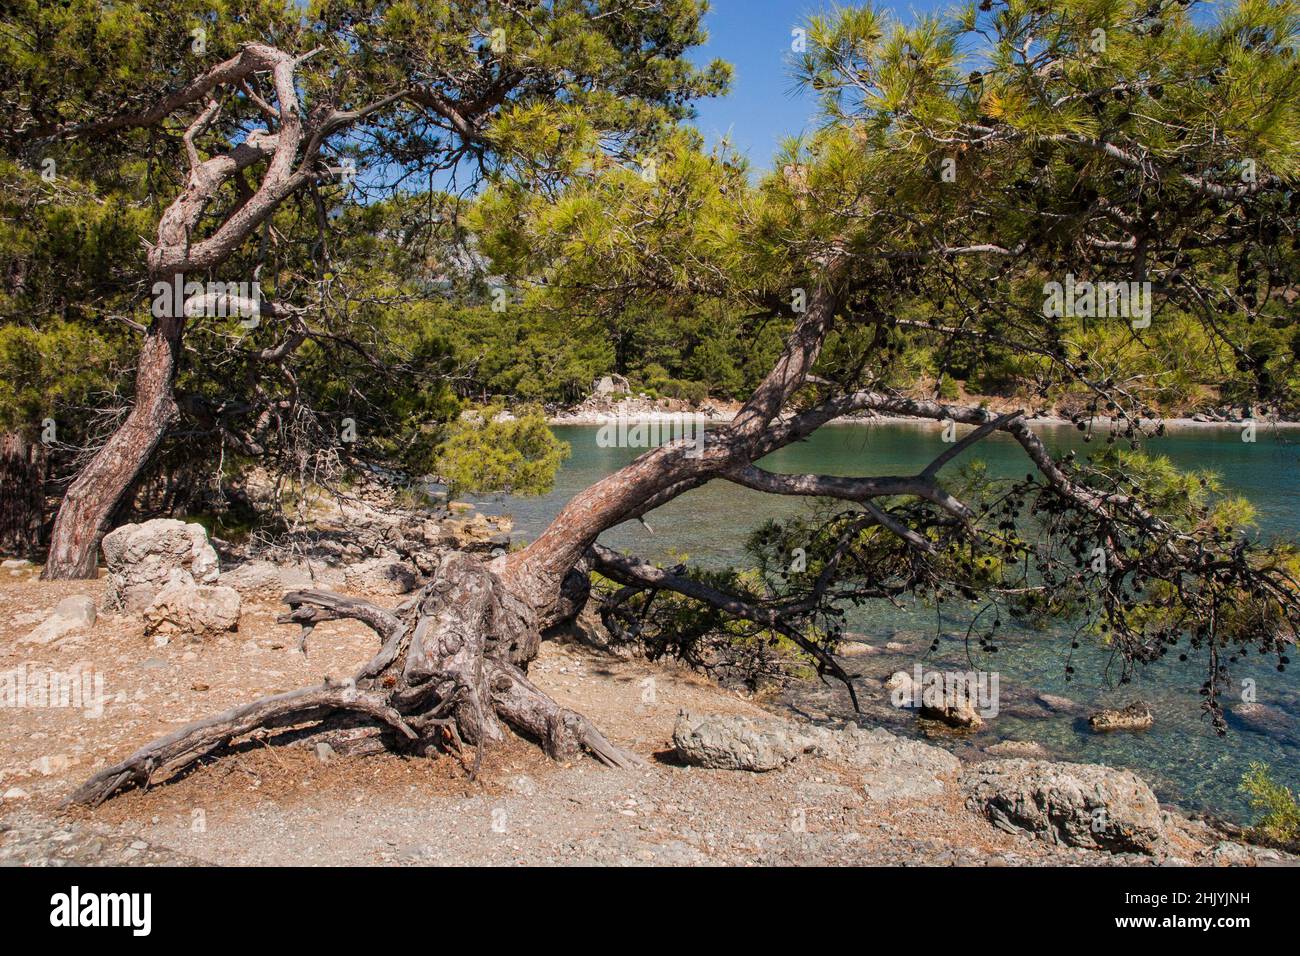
x,y
1184,759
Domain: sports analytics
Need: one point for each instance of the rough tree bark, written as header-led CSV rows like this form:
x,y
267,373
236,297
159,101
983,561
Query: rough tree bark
x,y
96,493
22,494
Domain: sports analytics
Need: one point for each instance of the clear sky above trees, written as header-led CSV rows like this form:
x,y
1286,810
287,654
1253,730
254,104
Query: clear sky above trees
x,y
764,105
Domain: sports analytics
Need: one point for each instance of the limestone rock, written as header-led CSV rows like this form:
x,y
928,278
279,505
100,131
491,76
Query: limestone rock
x,y
194,610
855,649
1017,748
1083,805
1136,716
1058,704
71,614
142,557
953,707
735,743
273,578
381,576
894,768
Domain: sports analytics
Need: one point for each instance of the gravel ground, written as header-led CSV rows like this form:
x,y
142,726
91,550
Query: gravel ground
x,y
283,805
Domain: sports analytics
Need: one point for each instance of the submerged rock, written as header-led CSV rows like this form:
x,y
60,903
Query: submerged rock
x,y
855,649
1058,704
1083,805
1265,719
1136,716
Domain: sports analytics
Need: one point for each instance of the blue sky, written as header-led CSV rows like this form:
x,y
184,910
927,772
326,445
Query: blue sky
x,y
754,37
762,108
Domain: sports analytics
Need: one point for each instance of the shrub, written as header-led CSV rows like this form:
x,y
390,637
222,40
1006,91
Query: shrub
x,y
1280,823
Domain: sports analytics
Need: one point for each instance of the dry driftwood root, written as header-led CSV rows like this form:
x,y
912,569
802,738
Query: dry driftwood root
x,y
451,663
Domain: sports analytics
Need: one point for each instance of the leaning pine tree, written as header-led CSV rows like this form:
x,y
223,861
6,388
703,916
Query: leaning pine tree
x,y
241,113
966,165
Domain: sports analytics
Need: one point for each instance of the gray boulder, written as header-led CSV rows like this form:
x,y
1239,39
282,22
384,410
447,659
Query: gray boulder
x,y
1083,805
142,557
893,768
383,575
71,614
192,610
737,743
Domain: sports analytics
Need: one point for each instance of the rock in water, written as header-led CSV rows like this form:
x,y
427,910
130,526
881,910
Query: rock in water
x,y
855,649
1083,805
949,705
141,559
1136,716
193,610
1058,704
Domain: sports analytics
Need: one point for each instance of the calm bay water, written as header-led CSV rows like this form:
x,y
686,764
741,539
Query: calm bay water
x,y
1181,756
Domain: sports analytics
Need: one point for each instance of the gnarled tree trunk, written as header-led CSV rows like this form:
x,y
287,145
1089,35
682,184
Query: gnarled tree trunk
x,y
452,666
97,492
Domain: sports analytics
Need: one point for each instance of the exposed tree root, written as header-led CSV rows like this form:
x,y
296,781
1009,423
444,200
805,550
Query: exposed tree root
x,y
452,664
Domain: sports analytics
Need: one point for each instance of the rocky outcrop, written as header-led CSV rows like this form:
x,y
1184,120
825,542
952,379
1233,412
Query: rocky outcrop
x,y
71,614
739,743
1081,805
186,609
950,705
893,768
612,398
1016,748
142,558
1135,716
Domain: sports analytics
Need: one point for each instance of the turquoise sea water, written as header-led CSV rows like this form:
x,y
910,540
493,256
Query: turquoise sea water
x,y
1181,756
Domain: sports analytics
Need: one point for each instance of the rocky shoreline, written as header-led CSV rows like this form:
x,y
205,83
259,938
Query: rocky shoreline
x,y
607,404
724,782
180,630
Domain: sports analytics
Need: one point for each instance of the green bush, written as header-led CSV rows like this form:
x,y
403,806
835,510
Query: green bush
x,y
1280,823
